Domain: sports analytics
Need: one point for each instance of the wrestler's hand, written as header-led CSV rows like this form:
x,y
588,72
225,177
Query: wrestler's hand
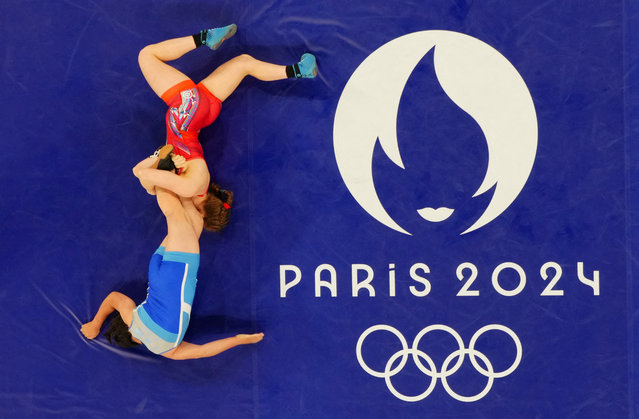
x,y
90,330
178,161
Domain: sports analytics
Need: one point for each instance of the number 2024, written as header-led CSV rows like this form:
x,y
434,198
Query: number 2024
x,y
549,271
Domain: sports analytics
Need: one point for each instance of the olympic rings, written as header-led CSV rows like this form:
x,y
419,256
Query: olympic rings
x,y
486,370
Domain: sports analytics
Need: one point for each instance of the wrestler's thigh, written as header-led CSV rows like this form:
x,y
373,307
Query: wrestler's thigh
x,y
224,80
159,75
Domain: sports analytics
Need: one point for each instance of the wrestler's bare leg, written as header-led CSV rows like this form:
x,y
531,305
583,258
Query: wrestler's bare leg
x,y
161,76
225,79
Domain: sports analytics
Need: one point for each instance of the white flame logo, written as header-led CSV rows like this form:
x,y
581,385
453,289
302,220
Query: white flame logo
x,y
476,77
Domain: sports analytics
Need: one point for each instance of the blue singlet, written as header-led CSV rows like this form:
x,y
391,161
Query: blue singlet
x,y
161,320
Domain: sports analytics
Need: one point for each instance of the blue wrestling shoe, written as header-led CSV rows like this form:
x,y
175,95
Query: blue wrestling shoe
x,y
215,36
307,67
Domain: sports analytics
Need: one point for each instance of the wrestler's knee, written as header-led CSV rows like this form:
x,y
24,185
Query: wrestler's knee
x,y
145,54
244,61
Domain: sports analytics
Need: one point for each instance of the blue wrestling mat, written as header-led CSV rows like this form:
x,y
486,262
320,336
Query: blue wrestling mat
x,y
442,224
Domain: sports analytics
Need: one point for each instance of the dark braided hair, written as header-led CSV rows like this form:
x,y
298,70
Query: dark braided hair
x,y
217,208
118,333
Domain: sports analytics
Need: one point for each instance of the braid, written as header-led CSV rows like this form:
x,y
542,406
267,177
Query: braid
x,y
217,208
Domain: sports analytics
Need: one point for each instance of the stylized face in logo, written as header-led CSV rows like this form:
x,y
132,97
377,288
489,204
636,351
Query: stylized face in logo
x,y
476,77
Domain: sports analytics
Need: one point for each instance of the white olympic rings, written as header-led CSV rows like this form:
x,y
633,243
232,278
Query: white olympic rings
x,y
446,370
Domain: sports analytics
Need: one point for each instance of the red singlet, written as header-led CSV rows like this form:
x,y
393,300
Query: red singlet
x,y
191,108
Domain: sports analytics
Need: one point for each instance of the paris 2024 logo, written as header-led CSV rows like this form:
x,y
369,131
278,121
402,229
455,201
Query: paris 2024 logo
x,y
485,85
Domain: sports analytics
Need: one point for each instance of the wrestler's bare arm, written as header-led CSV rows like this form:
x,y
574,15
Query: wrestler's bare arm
x,y
193,181
145,164
114,301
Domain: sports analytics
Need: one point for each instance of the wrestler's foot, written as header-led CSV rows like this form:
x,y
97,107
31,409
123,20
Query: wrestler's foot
x,y
307,67
164,161
247,339
215,36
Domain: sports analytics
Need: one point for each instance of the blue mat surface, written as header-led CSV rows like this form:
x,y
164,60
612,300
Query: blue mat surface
x,y
520,116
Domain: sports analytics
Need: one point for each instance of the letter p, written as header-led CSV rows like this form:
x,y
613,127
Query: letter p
x,y
284,286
